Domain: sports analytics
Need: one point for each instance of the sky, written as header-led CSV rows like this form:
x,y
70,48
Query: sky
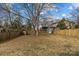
x,y
64,10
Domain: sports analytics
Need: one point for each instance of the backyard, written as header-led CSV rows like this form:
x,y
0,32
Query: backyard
x,y
42,45
39,29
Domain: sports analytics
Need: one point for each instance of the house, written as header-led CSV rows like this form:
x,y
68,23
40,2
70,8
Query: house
x,y
50,27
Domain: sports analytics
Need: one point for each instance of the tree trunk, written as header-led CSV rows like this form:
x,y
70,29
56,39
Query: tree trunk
x,y
35,25
37,32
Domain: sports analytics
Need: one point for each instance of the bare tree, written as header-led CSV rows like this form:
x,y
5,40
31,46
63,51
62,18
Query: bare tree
x,y
75,14
33,11
13,16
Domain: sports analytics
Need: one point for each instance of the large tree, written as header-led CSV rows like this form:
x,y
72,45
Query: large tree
x,y
32,12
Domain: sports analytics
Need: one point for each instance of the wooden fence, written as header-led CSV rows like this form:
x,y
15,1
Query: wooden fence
x,y
9,35
69,32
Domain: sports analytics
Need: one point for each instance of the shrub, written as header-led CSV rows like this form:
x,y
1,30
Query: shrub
x,y
61,26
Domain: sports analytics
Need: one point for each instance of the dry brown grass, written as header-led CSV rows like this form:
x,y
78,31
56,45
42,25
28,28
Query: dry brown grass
x,y
42,45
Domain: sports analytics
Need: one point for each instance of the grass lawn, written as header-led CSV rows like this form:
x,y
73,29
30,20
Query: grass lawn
x,y
43,45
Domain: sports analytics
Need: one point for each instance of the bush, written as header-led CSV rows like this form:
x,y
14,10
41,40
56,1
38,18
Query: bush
x,y
61,26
